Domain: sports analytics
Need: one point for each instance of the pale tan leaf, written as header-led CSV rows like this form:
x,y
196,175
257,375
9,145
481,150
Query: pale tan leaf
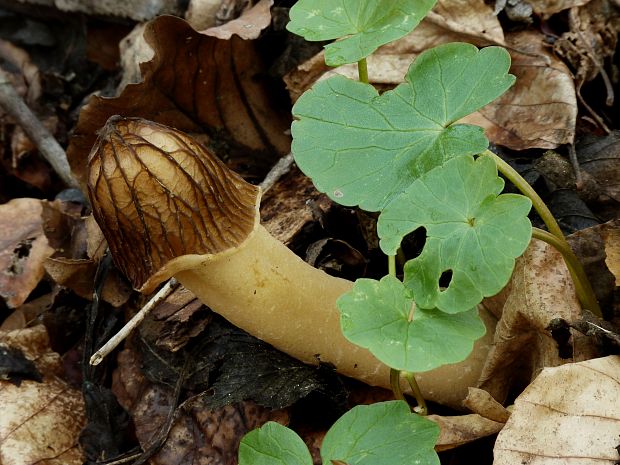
x,y
540,110
23,249
480,401
611,236
540,290
546,8
458,430
248,26
40,422
569,415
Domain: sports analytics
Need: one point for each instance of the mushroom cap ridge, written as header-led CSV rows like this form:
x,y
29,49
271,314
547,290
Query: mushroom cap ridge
x,y
164,202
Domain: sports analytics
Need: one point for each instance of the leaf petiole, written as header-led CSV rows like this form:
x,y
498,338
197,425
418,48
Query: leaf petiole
x,y
362,70
395,376
555,237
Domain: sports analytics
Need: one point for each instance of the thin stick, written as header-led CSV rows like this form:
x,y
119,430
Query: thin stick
x,y
119,337
51,150
278,170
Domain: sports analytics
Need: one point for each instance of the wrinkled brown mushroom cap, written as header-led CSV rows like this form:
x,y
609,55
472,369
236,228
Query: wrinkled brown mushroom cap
x,y
164,202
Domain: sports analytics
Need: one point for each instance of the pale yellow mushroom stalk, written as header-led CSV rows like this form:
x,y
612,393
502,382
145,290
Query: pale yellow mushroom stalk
x,y
168,207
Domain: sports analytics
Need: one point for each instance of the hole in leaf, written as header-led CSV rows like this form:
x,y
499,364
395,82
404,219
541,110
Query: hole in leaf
x,y
445,279
413,243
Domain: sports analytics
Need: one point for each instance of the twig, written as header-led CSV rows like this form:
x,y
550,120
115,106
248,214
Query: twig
x,y
119,337
278,170
51,150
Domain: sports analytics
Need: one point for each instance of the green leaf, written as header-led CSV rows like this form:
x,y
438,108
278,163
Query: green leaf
x,y
369,23
273,444
381,316
386,433
361,148
471,231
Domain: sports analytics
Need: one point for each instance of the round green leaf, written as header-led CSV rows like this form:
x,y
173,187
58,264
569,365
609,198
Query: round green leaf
x,y
381,316
273,444
385,433
361,148
470,230
369,23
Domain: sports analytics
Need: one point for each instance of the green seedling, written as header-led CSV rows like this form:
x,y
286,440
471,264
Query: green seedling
x,y
385,433
404,154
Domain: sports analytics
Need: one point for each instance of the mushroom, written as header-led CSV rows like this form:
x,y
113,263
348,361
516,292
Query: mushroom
x,y
170,208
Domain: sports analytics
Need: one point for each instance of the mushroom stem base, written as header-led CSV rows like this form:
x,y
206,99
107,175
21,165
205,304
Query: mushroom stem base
x,y
266,290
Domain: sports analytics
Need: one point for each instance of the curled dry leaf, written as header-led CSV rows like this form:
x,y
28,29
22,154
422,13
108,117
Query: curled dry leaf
x,y
480,401
611,237
40,422
197,84
540,290
568,415
199,435
23,249
248,26
458,430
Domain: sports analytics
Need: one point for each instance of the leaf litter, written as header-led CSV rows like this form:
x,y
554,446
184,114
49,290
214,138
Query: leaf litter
x,y
546,127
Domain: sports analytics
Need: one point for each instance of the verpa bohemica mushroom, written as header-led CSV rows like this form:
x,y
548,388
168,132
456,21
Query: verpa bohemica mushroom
x,y
168,207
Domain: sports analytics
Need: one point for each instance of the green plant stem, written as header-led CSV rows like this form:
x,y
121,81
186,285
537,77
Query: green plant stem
x,y
584,290
415,389
362,70
410,377
395,385
541,208
555,237
392,265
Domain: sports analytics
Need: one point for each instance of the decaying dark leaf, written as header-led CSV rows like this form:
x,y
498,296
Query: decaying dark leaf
x,y
600,158
236,367
197,84
199,435
15,367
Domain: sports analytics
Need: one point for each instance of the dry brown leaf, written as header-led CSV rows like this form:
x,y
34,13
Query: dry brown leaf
x,y
199,436
611,237
40,422
248,26
480,401
569,415
199,85
23,249
450,21
180,317
546,8
600,158
292,203
458,430
540,110
28,82
540,290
